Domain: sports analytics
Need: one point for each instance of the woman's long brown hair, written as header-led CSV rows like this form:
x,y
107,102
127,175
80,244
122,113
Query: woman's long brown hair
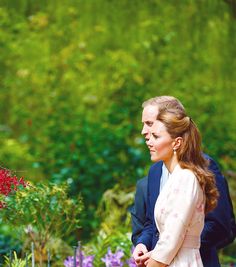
x,y
189,155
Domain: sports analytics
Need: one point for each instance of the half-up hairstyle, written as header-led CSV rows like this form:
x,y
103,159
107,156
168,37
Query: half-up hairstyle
x,y
189,154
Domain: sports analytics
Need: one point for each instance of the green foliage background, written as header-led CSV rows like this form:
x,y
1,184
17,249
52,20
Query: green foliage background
x,y
73,76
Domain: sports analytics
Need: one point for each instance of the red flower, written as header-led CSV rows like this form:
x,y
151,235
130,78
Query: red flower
x,y
9,184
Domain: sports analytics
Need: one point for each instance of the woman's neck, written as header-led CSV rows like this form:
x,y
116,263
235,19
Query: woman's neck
x,y
170,164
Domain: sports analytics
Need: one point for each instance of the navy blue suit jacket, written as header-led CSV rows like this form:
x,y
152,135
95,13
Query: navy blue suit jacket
x,y
138,210
218,226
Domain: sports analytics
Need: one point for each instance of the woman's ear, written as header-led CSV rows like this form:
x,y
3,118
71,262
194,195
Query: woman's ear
x,y
177,143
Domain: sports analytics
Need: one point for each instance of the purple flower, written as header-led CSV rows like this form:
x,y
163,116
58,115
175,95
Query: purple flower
x,y
131,262
113,259
69,261
87,261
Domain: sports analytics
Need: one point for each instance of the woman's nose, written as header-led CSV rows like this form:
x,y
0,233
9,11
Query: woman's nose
x,y
149,142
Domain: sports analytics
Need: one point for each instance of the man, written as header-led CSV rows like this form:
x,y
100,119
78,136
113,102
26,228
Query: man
x,y
138,210
219,229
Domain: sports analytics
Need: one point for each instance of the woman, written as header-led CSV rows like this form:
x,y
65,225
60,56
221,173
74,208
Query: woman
x,y
188,194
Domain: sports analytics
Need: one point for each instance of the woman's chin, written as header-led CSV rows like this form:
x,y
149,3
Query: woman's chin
x,y
154,158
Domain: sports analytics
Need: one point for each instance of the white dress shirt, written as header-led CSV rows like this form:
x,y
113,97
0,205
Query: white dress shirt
x,y
164,176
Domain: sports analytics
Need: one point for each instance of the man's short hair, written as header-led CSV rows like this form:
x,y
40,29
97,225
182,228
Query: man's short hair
x,y
162,102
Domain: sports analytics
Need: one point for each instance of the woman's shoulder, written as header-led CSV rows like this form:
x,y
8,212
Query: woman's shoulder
x,y
186,175
184,171
187,182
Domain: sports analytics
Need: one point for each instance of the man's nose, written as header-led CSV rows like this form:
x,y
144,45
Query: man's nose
x,y
144,130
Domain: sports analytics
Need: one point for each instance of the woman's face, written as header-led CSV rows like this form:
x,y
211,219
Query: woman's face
x,y
160,143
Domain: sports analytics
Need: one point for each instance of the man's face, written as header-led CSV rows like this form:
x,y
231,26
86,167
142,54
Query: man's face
x,y
148,118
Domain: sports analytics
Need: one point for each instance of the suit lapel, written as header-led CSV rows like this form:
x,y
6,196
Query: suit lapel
x,y
154,182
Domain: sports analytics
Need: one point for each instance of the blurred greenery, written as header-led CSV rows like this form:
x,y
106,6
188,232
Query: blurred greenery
x,y
73,76
114,231
8,242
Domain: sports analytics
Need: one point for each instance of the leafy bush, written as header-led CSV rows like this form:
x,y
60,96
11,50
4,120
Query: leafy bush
x,y
40,213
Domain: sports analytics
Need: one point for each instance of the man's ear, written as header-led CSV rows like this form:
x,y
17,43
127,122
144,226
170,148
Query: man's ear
x,y
177,143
